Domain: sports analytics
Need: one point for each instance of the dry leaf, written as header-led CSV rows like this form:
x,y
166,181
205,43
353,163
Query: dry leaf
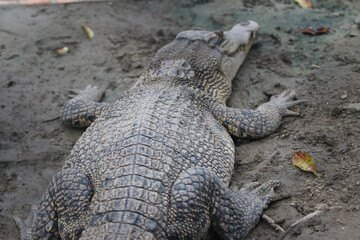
x,y
63,50
88,31
304,161
322,30
310,31
304,3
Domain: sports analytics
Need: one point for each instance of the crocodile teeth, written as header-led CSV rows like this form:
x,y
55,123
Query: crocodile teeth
x,y
254,35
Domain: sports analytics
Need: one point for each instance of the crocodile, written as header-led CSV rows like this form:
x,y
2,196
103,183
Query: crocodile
x,y
157,163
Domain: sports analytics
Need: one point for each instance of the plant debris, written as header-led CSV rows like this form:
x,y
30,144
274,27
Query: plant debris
x,y
319,31
304,3
304,161
302,220
88,31
63,50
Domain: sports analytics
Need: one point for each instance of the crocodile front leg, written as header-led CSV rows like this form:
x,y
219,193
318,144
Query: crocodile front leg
x,y
63,211
83,109
256,123
200,200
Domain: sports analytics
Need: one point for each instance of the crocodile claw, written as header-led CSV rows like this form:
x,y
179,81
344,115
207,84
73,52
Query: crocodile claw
x,y
25,226
265,192
291,113
251,186
283,101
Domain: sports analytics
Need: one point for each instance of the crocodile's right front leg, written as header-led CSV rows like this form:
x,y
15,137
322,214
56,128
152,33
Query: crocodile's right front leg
x,y
256,123
83,109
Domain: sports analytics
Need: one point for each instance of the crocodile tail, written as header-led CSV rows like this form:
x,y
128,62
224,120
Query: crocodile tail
x,y
127,206
121,231
126,219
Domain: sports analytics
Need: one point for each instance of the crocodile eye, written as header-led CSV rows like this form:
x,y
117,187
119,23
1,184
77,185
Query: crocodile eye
x,y
216,38
219,33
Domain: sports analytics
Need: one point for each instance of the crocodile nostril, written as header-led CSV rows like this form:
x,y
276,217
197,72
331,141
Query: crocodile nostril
x,y
244,23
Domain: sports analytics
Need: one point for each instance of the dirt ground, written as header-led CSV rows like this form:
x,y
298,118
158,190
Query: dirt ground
x,y
325,69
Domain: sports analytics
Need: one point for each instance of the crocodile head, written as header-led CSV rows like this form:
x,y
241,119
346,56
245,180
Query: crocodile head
x,y
205,59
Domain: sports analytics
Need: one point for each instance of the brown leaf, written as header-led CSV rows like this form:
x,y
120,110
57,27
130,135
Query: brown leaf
x,y
310,31
304,161
63,50
322,30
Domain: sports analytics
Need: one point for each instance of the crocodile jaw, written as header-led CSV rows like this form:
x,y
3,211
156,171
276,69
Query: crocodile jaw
x,y
203,59
237,43
233,44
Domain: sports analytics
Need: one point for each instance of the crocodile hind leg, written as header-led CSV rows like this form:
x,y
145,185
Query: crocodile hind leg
x,y
25,226
63,211
83,109
200,200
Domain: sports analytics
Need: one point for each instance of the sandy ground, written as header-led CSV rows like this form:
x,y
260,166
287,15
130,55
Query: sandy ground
x,y
324,69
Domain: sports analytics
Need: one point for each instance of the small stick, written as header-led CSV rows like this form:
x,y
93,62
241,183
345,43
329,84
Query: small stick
x,y
42,2
51,119
301,220
8,32
272,223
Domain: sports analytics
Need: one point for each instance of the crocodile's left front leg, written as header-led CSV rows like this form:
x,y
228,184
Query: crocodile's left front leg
x,y
256,123
63,211
83,109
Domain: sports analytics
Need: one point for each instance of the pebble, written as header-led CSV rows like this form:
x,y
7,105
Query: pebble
x,y
344,96
342,148
354,31
357,20
351,106
321,206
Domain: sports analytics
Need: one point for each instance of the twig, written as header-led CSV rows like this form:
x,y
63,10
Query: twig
x,y
43,2
51,119
9,32
301,220
272,223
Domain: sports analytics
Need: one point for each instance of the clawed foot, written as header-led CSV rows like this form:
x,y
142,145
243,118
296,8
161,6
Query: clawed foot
x,y
25,226
264,192
284,101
